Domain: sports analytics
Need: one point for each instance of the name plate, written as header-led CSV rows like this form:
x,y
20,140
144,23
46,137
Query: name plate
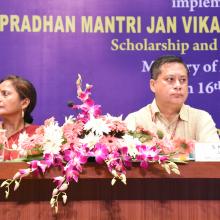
x,y
208,152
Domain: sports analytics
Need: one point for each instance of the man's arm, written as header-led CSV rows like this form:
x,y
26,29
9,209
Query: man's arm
x,y
206,129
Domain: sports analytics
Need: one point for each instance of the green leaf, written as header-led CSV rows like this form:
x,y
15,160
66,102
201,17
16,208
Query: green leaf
x,y
33,157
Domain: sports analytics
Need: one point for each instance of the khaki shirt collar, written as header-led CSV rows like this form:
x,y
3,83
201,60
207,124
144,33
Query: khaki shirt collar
x,y
183,111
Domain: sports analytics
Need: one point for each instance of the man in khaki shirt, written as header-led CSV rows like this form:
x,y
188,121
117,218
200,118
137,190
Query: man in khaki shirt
x,y
167,112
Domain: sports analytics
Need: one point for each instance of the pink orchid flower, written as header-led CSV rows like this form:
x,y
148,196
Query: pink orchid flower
x,y
100,153
71,173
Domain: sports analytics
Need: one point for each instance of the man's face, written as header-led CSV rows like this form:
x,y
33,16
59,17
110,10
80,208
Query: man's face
x,y
171,86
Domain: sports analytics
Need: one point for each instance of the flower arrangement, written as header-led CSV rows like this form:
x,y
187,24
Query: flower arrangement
x,y
91,134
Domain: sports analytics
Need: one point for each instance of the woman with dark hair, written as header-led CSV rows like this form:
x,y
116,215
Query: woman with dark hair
x,y
17,100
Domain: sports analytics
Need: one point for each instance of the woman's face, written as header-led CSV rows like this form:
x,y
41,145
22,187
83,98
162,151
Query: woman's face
x,y
10,102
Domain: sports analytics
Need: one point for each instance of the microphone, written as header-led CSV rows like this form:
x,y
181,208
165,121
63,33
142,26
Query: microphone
x,y
70,104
